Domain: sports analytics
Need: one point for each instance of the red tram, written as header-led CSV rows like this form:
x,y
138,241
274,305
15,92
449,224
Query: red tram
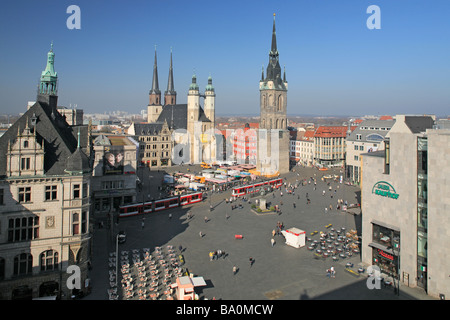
x,y
158,205
251,188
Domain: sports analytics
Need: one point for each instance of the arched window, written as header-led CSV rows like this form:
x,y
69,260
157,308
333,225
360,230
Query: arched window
x,y
276,124
282,124
49,260
271,100
375,137
280,103
23,264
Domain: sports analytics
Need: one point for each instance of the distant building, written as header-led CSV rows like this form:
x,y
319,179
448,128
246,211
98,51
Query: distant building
x,y
155,144
302,148
368,136
405,201
45,209
192,127
329,145
74,117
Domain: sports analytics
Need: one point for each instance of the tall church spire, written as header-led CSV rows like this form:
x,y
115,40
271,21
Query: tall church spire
x,y
274,50
155,93
273,68
170,95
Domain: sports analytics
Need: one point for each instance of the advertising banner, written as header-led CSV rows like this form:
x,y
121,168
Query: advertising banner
x,y
113,160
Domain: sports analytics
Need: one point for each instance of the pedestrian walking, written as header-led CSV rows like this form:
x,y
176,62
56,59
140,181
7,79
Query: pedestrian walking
x,y
272,241
170,216
234,270
206,219
251,261
200,234
143,223
180,248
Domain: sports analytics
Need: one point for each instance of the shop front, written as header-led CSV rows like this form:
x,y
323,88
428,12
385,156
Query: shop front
x,y
386,261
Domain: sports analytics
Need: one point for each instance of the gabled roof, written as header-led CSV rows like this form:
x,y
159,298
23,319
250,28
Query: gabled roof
x,y
148,129
60,139
371,129
332,131
175,115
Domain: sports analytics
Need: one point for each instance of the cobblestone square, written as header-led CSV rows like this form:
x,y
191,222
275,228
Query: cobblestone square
x,y
277,272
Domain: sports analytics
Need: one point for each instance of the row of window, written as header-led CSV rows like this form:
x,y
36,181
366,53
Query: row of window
x,y
154,146
375,128
51,193
148,139
109,185
23,263
154,154
27,228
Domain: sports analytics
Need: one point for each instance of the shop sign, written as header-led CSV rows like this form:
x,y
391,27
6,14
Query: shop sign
x,y
384,189
385,255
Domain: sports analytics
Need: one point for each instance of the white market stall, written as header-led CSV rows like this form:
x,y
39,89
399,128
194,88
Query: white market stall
x,y
294,237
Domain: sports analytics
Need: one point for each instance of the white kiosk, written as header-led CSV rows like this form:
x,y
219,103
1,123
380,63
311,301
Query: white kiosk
x,y
295,237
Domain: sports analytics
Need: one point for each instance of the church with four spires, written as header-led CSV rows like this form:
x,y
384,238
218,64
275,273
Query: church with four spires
x,y
177,133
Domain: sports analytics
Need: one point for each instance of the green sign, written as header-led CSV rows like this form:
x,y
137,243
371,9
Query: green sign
x,y
384,189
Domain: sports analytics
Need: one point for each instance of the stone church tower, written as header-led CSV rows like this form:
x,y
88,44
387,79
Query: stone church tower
x,y
155,104
273,136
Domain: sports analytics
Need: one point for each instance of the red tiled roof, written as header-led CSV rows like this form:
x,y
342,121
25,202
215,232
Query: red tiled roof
x,y
332,131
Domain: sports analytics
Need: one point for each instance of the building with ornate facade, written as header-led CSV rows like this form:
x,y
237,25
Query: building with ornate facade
x,y
45,208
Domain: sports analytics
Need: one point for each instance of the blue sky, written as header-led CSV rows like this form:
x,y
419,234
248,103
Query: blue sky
x,y
334,64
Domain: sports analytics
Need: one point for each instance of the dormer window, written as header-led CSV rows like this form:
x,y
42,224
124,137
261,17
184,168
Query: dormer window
x,y
25,144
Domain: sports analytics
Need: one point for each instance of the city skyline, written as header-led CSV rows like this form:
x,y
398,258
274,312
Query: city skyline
x,y
334,64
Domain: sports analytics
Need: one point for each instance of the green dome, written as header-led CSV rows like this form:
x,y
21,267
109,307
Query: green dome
x,y
194,85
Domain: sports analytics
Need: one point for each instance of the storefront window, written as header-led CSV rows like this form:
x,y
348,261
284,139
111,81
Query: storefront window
x,y
385,261
386,237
